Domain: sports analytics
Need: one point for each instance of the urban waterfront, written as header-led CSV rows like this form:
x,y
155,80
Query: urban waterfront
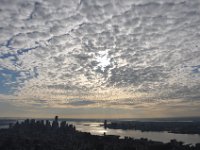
x,y
61,135
97,128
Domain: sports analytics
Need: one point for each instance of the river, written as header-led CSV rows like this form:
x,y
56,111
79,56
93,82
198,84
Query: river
x,y
96,128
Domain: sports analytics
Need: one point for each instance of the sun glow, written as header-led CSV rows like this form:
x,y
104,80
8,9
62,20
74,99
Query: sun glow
x,y
103,60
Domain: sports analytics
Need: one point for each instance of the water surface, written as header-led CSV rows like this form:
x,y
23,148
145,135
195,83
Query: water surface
x,y
96,128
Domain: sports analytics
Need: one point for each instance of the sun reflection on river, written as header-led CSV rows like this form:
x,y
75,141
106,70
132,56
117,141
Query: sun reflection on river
x,y
96,128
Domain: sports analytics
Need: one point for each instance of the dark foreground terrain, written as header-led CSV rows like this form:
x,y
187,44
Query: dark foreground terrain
x,y
192,127
37,135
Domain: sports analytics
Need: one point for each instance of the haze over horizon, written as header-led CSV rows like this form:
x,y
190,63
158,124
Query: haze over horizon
x,y
99,58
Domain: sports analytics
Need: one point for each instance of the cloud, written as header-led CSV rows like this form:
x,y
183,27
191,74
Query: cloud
x,y
56,50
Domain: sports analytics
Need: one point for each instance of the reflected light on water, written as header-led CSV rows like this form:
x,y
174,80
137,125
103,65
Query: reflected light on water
x,y
96,128
102,131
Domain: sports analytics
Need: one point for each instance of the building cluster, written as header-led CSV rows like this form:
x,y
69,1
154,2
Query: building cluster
x,y
32,124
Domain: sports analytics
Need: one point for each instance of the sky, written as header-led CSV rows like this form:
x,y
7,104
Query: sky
x,y
99,58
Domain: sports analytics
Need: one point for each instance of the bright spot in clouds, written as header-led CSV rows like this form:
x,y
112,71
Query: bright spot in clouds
x,y
103,60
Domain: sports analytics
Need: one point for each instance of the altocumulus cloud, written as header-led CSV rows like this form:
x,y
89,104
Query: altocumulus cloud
x,y
100,52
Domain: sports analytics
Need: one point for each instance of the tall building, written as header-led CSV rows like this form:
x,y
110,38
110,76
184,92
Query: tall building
x,y
56,118
55,124
105,124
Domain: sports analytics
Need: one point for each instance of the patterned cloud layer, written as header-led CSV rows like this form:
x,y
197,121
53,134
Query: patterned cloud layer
x,y
100,52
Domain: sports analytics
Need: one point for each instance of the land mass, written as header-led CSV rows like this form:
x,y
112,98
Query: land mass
x,y
44,135
192,127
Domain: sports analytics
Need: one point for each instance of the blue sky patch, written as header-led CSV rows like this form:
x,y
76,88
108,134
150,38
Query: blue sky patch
x,y
8,81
